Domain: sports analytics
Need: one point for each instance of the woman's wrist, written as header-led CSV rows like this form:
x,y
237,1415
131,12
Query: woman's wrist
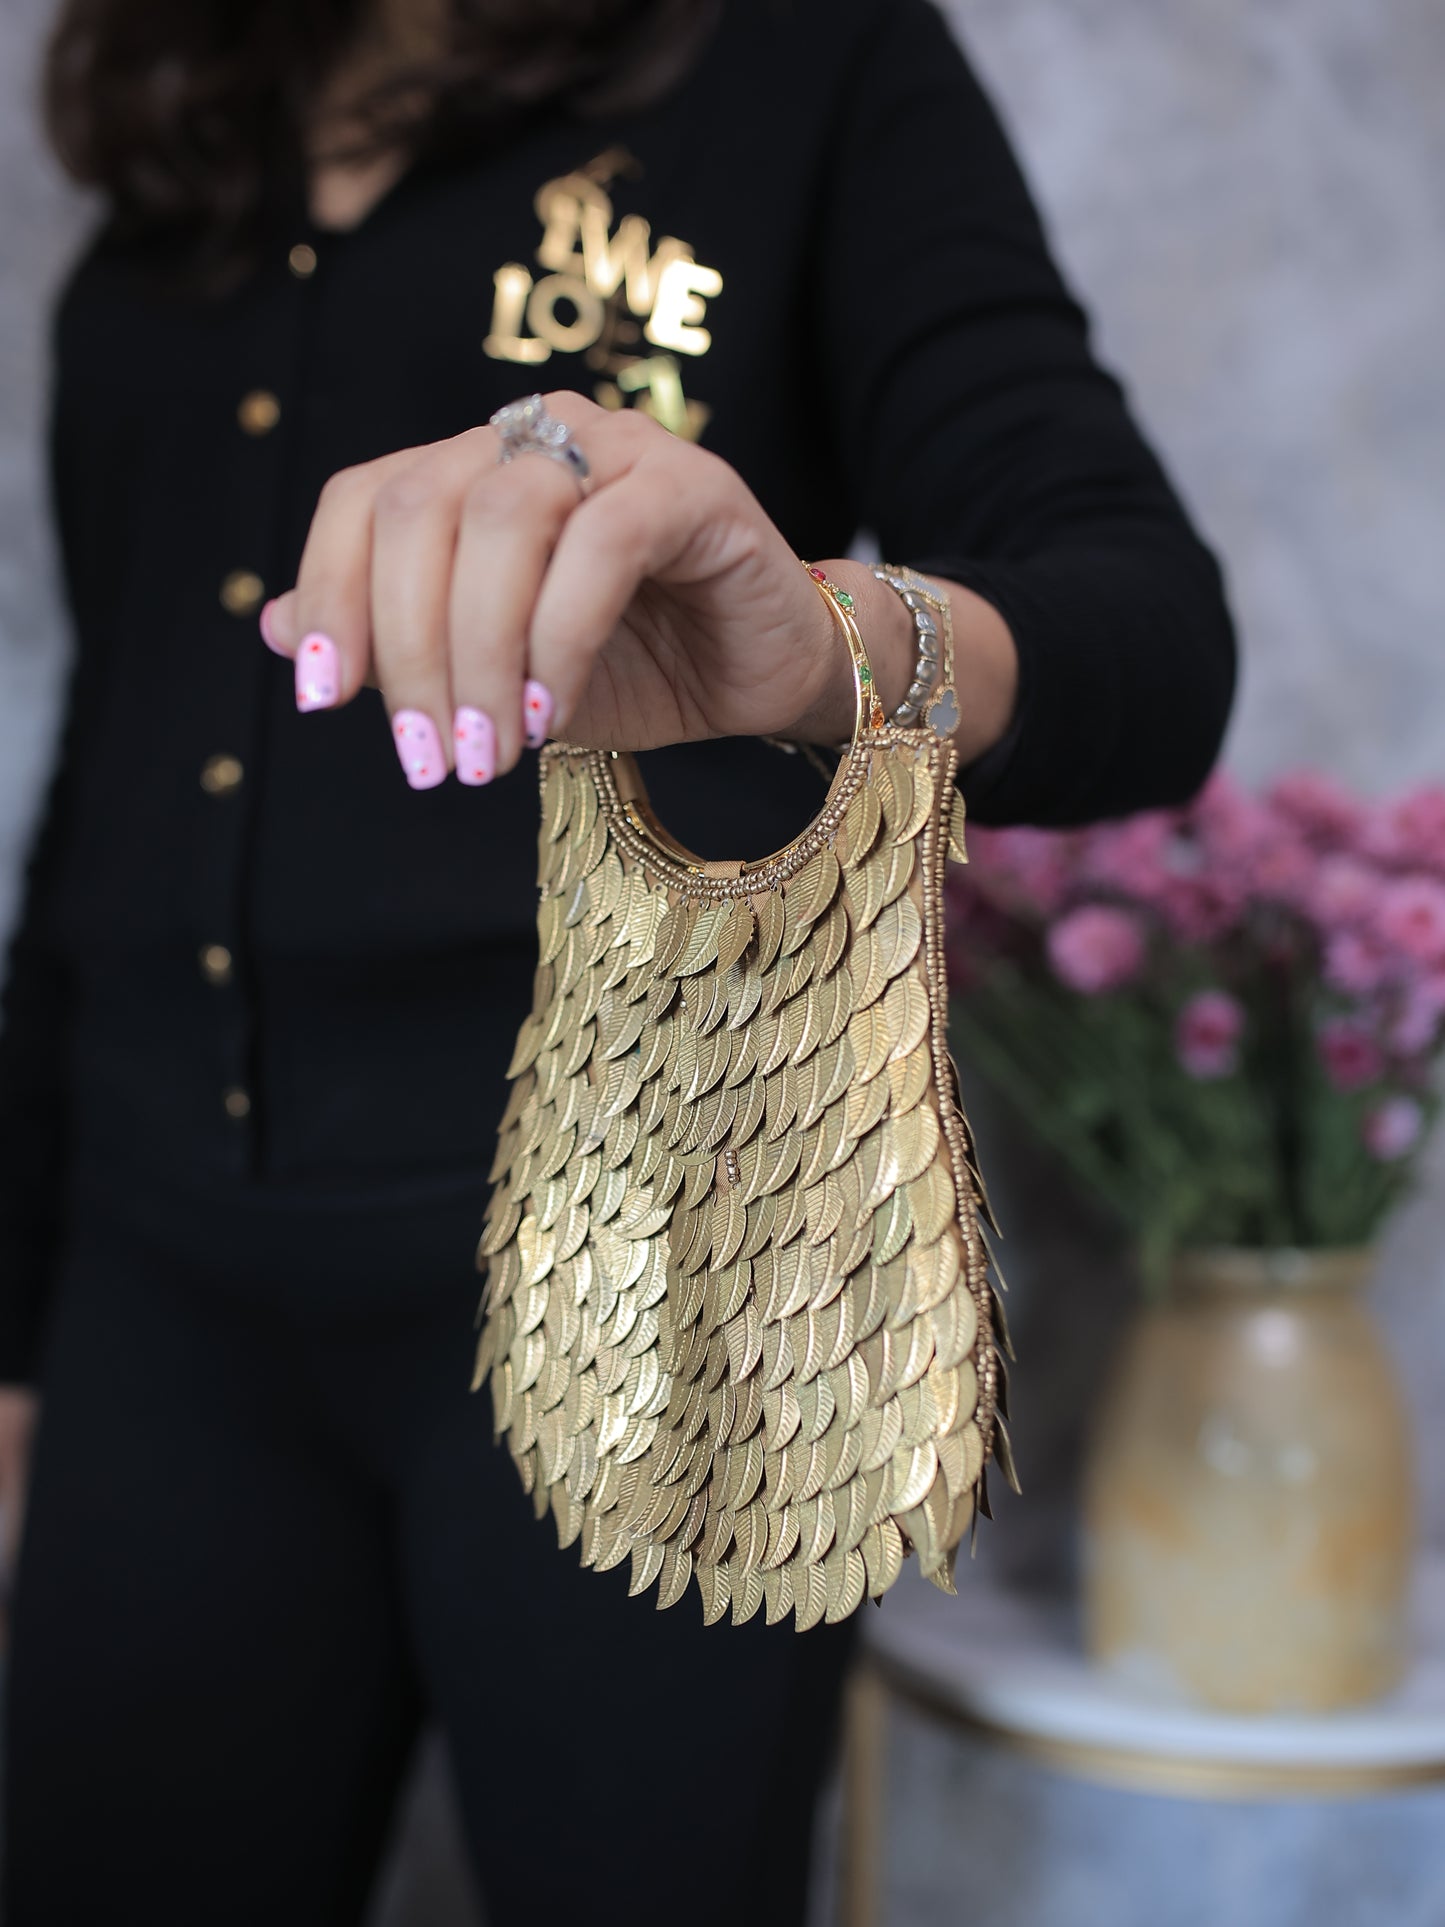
x,y
985,674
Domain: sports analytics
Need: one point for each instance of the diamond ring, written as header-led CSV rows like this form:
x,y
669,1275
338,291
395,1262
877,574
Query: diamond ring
x,y
527,429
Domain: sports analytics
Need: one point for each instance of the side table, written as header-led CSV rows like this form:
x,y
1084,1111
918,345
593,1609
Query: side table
x,y
1011,1667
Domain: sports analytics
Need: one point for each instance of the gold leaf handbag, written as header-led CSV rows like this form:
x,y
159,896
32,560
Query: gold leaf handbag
x,y
738,1324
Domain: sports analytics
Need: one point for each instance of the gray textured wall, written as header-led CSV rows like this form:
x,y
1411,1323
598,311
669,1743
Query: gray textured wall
x,y
39,222
1250,197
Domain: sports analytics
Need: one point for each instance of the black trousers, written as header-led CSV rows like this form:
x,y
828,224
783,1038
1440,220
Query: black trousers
x,y
270,1533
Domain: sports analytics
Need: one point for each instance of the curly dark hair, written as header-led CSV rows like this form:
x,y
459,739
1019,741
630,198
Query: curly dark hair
x,y
191,114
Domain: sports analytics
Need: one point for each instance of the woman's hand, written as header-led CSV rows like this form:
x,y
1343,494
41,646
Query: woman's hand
x,y
493,605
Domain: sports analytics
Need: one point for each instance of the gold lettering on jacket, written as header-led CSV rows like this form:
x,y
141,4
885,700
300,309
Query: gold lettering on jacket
x,y
608,292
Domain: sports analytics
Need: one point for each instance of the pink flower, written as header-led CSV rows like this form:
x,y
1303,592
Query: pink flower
x,y
1033,864
1416,1023
1250,847
1201,909
1207,1034
1356,963
1228,821
1412,918
1096,948
1345,891
1224,806
1283,866
1393,1128
1324,810
1409,830
1350,1054
1132,857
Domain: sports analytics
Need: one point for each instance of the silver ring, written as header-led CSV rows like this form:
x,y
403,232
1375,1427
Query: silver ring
x,y
527,429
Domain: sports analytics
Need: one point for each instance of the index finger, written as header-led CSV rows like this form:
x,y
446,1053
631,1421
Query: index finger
x,y
325,622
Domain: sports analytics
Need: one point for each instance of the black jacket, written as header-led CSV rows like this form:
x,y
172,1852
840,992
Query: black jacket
x,y
248,951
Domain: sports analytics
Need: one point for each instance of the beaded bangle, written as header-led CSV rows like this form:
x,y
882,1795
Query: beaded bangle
x,y
931,690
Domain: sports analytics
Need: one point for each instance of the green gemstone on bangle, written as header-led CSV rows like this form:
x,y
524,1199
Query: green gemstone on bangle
x,y
845,601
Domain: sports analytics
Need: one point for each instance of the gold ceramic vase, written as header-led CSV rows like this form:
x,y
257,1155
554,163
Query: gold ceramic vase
x,y
1249,1515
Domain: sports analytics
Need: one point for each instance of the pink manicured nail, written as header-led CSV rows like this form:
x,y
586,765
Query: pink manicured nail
x,y
536,714
420,749
476,742
317,673
267,633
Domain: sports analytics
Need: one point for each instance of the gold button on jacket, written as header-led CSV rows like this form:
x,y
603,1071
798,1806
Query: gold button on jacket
x,y
237,1103
302,261
221,774
258,412
242,592
216,963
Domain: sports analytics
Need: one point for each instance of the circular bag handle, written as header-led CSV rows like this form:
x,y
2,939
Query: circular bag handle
x,y
624,799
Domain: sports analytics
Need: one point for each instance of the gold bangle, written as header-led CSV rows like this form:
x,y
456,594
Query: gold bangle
x,y
870,710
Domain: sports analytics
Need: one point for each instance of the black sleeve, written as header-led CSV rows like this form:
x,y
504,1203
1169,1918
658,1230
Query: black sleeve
x,y
984,443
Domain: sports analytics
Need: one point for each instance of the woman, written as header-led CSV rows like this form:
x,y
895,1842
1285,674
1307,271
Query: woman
x,y
780,277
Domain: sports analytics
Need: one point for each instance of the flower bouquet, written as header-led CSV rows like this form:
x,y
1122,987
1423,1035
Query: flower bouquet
x,y
1224,1018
